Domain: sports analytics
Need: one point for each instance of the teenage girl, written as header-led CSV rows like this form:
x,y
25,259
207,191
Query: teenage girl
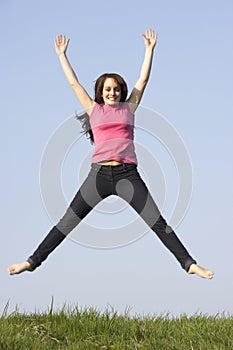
x,y
109,122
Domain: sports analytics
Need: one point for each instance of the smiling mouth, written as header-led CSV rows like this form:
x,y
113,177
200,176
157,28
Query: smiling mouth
x,y
112,98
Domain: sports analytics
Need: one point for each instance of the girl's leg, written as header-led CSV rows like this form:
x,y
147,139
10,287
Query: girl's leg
x,y
84,201
145,206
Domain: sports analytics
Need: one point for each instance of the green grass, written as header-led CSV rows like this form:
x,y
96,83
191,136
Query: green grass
x,y
73,329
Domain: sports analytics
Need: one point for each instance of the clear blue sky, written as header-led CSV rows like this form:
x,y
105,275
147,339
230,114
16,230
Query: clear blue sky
x,y
191,86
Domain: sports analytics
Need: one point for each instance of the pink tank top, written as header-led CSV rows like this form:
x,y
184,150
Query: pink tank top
x,y
113,130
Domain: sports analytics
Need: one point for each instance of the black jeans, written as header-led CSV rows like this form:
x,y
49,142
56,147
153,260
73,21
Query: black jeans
x,y
102,181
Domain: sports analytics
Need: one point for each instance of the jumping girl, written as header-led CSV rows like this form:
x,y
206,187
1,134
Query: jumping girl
x,y
109,122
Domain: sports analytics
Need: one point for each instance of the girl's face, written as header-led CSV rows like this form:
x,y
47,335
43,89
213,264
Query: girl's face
x,y
111,92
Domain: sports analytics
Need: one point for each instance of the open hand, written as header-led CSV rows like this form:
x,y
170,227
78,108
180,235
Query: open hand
x,y
150,38
61,44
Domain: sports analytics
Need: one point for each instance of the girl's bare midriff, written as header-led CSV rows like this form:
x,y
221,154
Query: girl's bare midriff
x,y
110,162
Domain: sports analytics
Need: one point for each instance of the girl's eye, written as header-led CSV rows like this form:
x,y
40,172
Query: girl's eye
x,y
109,89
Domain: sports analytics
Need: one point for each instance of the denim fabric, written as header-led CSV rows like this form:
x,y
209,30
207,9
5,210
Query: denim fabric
x,y
102,181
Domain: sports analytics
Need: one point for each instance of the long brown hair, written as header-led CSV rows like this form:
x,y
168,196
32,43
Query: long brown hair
x,y
99,84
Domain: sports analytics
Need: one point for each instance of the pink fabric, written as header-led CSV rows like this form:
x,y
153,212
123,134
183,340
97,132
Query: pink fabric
x,y
113,130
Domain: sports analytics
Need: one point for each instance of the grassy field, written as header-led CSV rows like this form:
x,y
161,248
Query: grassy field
x,y
73,329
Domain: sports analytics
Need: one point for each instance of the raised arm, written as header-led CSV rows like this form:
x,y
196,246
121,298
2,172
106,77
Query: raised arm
x,y
61,44
150,40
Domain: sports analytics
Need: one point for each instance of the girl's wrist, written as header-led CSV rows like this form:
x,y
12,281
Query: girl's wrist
x,y
150,49
61,54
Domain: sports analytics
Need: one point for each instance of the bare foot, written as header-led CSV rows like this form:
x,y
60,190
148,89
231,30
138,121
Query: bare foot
x,y
200,271
18,268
